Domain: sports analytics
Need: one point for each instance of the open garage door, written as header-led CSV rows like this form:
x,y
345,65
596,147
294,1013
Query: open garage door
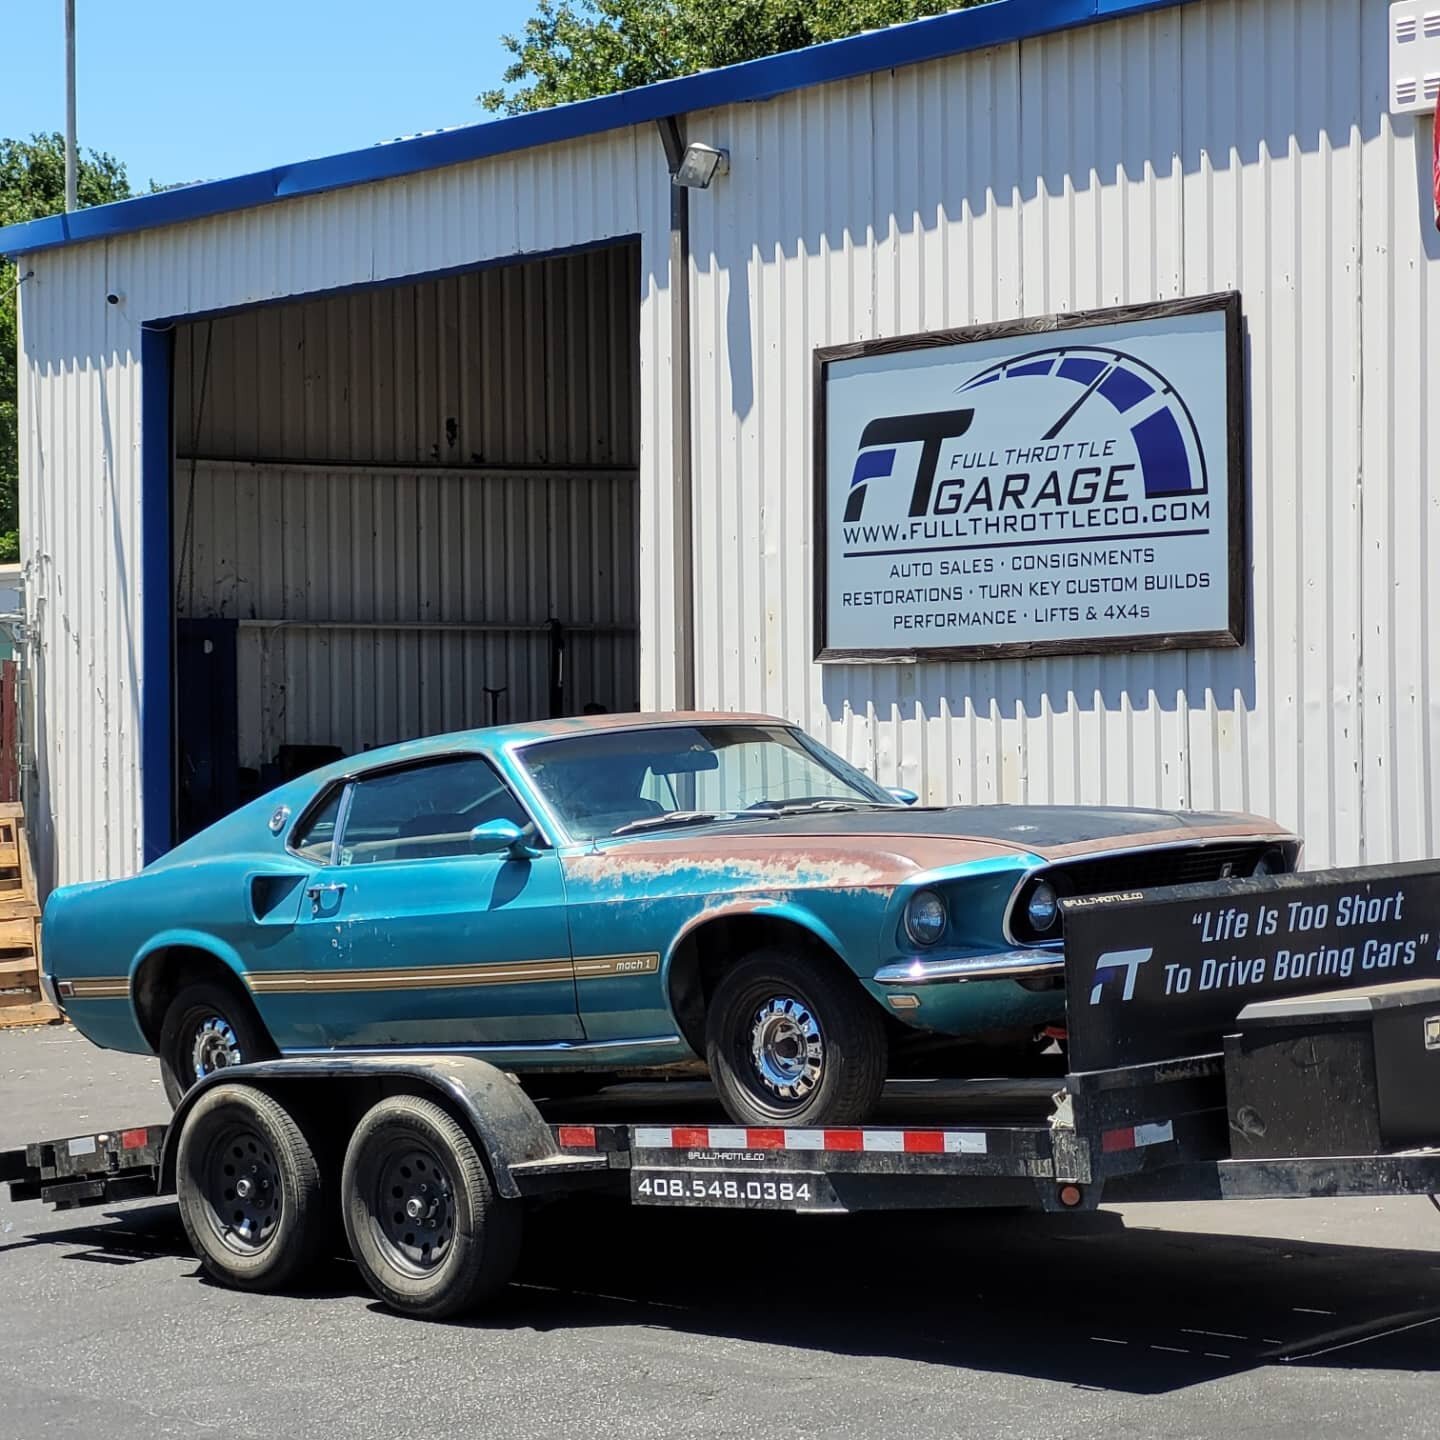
x,y
403,511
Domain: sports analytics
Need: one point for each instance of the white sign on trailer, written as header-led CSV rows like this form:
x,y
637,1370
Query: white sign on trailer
x,y
1067,484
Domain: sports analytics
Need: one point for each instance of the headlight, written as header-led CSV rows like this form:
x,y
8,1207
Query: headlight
x,y
925,917
1043,908
1272,862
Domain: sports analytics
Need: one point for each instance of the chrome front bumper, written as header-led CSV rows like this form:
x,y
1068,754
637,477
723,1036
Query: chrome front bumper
x,y
1004,965
48,990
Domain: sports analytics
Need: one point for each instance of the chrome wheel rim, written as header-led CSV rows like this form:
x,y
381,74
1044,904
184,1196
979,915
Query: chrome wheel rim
x,y
243,1186
413,1209
215,1047
787,1048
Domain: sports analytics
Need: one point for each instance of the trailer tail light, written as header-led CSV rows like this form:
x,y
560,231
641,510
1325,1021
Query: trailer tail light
x,y
1071,1196
134,1139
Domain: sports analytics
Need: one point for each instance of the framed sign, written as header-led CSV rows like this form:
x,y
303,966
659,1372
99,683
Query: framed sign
x,y
1063,485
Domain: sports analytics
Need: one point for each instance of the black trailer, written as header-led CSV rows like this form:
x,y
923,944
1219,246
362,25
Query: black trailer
x,y
1275,1038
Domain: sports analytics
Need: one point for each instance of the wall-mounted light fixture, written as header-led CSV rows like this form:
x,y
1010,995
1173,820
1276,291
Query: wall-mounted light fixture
x,y
699,165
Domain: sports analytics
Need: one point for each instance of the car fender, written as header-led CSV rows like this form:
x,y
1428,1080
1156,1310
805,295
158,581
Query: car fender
x,y
748,906
227,955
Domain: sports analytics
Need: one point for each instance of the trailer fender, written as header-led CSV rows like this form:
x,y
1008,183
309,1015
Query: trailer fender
x,y
500,1117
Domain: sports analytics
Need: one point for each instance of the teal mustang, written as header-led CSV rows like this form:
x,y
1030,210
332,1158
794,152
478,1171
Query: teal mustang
x,y
582,899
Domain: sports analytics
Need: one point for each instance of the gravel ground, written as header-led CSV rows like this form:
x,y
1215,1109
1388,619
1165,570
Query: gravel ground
x,y
1312,1319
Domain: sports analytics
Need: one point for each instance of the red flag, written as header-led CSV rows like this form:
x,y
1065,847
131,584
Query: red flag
x,y
1435,168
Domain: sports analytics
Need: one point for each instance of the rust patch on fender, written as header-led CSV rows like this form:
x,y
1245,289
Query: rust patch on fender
x,y
760,863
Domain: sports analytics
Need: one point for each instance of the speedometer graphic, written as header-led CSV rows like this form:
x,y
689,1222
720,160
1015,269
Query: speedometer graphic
x,y
1069,379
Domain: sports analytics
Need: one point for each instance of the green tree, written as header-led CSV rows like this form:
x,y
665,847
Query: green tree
x,y
32,184
575,49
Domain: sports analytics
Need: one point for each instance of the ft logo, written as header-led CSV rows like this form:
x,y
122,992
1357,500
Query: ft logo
x,y
1113,963
888,431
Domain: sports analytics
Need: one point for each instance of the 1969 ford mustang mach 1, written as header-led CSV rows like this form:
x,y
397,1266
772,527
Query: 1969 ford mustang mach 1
x,y
592,897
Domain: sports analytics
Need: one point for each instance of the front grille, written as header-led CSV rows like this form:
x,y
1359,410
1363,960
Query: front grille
x,y
1147,869
1141,870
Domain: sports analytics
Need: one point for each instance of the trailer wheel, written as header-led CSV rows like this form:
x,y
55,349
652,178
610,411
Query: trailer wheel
x,y
249,1189
789,1042
425,1226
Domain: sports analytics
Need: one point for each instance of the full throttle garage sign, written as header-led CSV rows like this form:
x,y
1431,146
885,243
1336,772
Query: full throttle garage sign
x,y
1066,484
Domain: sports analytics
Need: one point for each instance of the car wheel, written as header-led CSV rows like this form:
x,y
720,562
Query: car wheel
x,y
208,1027
790,1042
425,1226
249,1190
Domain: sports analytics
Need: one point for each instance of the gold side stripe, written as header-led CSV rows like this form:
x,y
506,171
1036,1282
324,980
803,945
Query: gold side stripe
x,y
518,972
589,967
106,987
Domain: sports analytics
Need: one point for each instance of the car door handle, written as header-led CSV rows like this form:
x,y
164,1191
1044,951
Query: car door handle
x,y
316,891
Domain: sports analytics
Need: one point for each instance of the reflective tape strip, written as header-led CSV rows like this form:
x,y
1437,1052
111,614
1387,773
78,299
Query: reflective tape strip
x,y
887,1142
1154,1134
962,1143
576,1137
924,1142
892,1141
724,1137
804,1139
1136,1137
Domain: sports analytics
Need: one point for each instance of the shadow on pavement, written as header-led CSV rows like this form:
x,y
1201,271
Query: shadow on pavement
x,y
1079,1299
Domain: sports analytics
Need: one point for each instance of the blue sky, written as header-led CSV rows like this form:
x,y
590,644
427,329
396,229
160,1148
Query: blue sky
x,y
195,90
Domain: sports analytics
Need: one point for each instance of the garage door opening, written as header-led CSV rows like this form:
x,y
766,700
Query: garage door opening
x,y
402,511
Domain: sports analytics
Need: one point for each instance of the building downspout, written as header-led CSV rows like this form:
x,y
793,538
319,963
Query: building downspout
x,y
672,137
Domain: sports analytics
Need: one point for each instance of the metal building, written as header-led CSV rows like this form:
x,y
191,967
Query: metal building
x,y
502,422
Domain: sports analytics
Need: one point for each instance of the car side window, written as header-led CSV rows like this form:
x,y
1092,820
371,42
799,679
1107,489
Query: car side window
x,y
425,812
316,841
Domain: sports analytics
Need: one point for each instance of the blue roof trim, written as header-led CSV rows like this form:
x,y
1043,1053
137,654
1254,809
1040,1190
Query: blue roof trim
x,y
999,23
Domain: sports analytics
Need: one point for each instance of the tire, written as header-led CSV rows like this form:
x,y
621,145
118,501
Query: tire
x,y
208,1026
267,1235
812,1025
407,1156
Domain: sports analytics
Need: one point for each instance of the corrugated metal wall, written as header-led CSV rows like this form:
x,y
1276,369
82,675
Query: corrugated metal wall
x,y
1233,144
395,491
1224,143
81,439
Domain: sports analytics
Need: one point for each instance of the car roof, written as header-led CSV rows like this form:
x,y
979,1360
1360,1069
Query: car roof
x,y
301,792
491,739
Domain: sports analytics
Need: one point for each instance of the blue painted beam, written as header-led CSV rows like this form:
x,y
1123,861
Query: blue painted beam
x,y
1000,23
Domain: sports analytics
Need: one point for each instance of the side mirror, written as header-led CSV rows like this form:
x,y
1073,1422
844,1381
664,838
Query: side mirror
x,y
904,796
496,837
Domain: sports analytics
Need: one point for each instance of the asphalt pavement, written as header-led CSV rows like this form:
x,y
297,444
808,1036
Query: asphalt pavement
x,y
1312,1319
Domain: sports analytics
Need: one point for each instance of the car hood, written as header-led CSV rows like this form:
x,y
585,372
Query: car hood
x,y
886,847
1049,831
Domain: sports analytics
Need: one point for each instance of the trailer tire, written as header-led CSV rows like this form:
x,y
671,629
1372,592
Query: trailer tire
x,y
425,1226
791,1041
208,1026
249,1190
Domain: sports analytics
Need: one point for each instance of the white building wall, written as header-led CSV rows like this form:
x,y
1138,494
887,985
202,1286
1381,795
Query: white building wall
x,y
1236,144
80,394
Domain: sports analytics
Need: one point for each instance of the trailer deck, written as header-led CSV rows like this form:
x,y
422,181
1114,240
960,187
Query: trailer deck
x,y
1300,1092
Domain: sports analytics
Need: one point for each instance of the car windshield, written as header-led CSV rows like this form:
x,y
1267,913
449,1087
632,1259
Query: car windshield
x,y
612,781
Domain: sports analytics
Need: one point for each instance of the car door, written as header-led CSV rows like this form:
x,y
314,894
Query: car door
x,y
411,938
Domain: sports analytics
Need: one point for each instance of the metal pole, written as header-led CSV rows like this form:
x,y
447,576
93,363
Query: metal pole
x,y
672,137
71,162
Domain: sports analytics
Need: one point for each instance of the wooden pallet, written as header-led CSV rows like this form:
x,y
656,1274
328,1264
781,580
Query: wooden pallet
x,y
21,1001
